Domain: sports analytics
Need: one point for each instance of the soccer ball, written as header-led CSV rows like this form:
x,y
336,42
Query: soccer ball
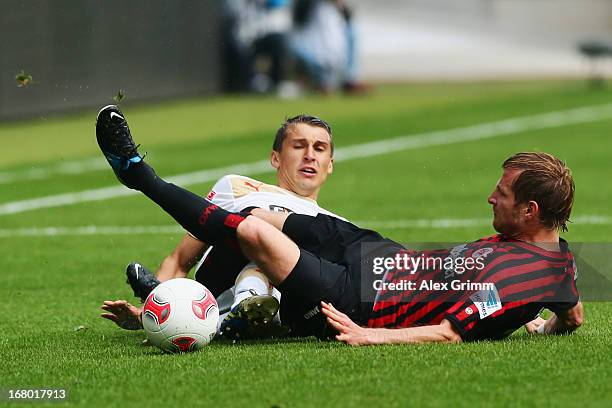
x,y
180,315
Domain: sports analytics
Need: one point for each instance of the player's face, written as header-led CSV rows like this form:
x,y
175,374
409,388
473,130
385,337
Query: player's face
x,y
507,218
305,160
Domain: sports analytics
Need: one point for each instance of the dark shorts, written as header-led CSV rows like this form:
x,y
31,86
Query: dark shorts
x,y
328,269
311,281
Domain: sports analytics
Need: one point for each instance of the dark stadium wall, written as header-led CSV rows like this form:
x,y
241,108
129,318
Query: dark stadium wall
x,y
81,52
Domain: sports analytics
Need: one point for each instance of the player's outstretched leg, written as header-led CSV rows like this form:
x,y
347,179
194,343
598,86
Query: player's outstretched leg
x,y
115,141
200,217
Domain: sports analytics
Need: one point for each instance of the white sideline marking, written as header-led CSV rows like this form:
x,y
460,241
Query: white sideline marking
x,y
409,142
90,230
67,167
443,223
105,193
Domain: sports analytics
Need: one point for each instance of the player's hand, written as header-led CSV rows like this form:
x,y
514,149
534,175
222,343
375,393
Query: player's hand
x,y
533,325
348,331
123,314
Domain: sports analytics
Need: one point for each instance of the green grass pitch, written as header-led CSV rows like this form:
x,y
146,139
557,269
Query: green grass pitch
x,y
53,284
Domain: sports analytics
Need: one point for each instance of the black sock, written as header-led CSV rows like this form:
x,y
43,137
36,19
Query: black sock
x,y
203,219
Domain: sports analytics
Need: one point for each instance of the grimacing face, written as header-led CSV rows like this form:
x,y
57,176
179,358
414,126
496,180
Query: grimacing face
x,y
305,160
507,216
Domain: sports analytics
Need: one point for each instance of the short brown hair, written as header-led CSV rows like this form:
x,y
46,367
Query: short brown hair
x,y
281,133
547,181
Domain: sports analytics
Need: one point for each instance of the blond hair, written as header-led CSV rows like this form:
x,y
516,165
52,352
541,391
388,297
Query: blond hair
x,y
547,181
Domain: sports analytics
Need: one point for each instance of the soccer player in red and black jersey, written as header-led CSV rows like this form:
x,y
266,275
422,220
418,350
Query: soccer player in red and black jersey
x,y
514,281
316,262
528,264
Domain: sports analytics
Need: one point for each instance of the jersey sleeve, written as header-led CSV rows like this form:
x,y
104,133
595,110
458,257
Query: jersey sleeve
x,y
471,325
566,296
486,315
478,316
222,194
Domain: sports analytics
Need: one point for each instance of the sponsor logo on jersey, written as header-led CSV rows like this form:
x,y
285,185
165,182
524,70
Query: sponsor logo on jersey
x,y
279,208
487,301
253,186
482,252
211,195
242,187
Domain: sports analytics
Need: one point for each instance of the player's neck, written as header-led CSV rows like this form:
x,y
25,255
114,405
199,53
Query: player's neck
x,y
311,196
540,237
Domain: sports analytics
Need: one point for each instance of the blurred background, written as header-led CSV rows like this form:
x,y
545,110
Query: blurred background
x,y
74,54
426,99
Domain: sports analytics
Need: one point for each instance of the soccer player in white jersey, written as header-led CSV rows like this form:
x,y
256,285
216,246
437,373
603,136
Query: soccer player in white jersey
x,y
302,154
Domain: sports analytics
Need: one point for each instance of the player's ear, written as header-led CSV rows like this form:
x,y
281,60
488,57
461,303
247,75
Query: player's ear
x,y
275,159
532,210
330,166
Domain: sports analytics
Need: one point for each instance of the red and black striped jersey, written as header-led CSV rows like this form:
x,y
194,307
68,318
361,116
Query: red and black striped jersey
x,y
508,287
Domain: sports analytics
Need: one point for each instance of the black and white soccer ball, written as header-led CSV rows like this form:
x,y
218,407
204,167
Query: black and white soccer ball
x,y
180,315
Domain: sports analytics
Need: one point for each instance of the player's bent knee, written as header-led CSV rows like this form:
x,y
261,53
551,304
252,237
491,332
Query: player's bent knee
x,y
250,230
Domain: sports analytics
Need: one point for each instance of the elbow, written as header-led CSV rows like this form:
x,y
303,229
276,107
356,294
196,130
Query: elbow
x,y
454,338
575,318
575,322
571,319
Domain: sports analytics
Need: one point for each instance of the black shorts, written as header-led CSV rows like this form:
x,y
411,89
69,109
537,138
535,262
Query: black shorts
x,y
329,269
312,280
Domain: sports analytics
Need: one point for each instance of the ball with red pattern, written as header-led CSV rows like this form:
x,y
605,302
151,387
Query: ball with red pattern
x,y
180,315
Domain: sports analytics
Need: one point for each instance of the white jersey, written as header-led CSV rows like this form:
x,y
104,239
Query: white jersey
x,y
235,193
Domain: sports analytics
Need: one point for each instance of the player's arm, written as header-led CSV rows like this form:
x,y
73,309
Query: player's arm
x,y
175,265
276,219
561,322
190,250
184,257
355,335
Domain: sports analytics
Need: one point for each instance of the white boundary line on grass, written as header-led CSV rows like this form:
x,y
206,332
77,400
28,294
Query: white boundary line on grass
x,y
408,142
442,223
65,167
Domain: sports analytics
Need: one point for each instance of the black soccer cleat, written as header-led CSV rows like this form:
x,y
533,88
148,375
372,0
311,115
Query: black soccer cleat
x,y
115,141
251,319
141,280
